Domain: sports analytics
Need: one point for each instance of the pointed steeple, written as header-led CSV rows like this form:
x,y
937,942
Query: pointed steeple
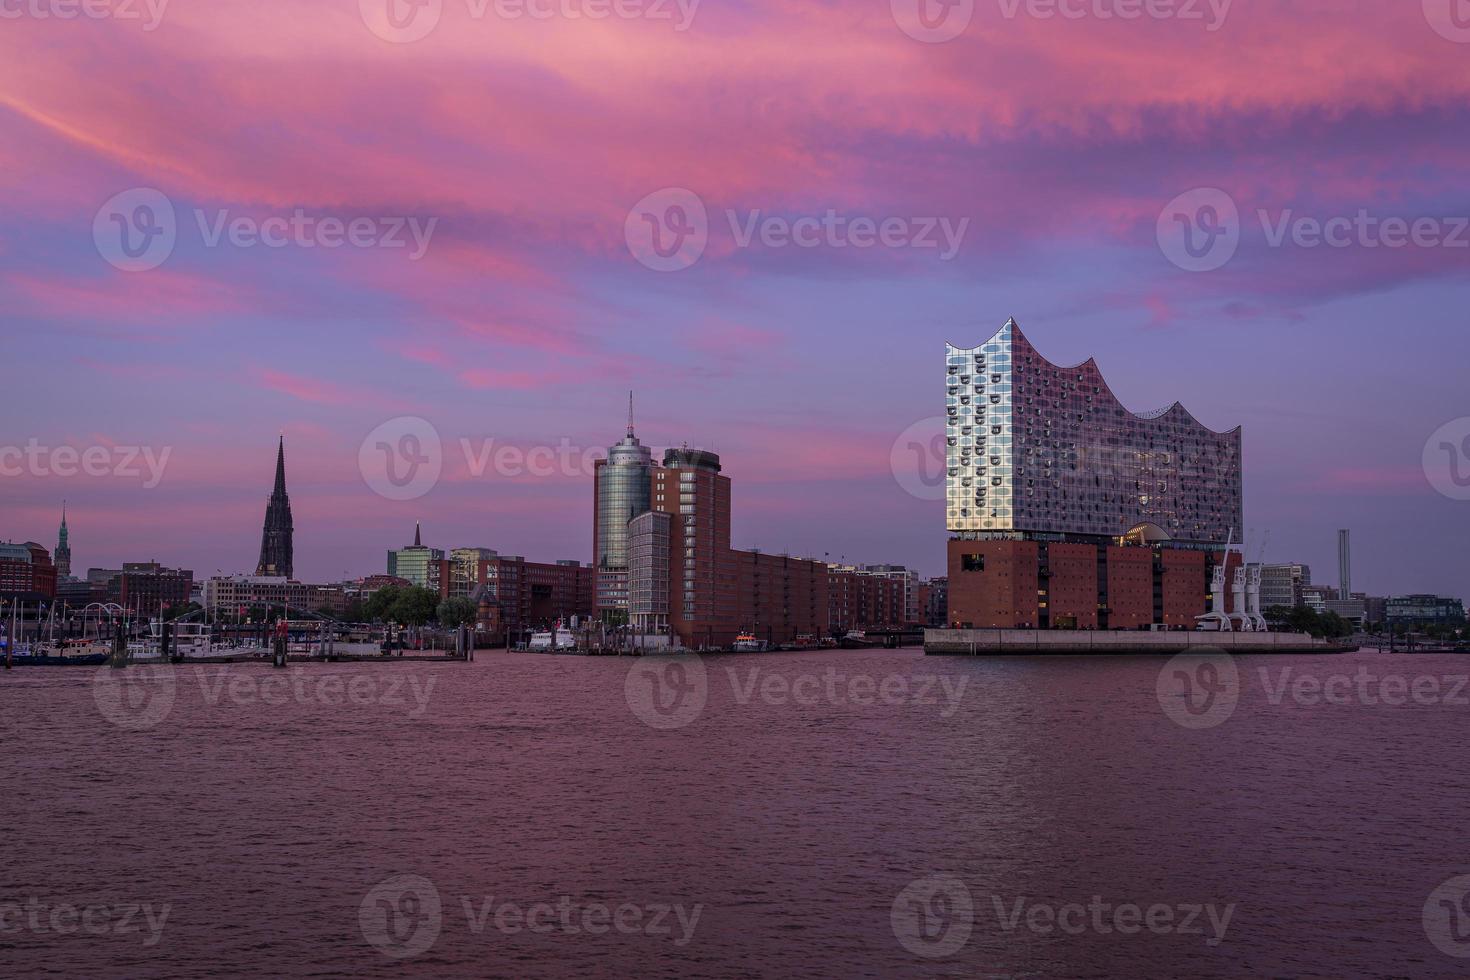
x,y
418,540
62,558
276,550
281,466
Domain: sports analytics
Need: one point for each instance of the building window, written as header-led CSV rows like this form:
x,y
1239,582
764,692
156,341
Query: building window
x,y
972,563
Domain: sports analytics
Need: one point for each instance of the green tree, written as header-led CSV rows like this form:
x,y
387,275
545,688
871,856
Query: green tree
x,y
415,606
457,611
174,612
380,604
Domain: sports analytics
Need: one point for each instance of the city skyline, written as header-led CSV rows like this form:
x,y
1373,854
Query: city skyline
x,y
461,540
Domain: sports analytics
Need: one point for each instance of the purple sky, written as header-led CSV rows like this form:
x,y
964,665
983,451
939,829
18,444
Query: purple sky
x,y
1062,145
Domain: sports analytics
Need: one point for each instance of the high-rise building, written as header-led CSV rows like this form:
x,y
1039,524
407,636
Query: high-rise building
x,y
1344,565
690,488
649,551
1068,510
276,557
418,564
621,489
1282,584
63,549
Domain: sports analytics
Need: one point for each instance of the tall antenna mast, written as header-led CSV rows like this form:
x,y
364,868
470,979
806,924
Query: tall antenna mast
x,y
630,414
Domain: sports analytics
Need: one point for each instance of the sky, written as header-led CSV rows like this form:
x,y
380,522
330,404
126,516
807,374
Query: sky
x,y
435,244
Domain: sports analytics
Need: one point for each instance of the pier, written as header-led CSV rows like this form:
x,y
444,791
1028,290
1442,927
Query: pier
x,y
1121,642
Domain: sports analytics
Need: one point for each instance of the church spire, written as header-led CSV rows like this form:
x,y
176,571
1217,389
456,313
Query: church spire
x,y
418,540
281,466
276,547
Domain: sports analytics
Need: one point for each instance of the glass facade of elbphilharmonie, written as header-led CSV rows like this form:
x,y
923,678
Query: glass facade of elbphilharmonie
x,y
1039,449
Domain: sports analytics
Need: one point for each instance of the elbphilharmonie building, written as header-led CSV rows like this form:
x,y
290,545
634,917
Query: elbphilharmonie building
x,y
1045,455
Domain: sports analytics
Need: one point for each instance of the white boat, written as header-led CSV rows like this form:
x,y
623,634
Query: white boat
x,y
559,639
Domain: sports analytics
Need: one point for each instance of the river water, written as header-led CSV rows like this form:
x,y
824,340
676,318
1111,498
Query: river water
x,y
834,814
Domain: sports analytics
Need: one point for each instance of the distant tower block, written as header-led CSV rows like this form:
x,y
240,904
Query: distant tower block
x,y
1344,565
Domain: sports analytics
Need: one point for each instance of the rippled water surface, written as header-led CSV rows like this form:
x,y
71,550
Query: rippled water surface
x,y
933,828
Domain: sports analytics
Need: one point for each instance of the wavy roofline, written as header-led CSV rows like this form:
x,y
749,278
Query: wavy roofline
x,y
1156,414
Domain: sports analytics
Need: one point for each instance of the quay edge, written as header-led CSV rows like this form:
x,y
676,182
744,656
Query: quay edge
x,y
998,642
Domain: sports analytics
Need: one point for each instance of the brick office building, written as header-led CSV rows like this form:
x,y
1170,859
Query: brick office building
x,y
1068,511
26,572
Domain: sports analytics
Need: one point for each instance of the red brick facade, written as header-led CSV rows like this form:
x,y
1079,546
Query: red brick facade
x,y
1068,585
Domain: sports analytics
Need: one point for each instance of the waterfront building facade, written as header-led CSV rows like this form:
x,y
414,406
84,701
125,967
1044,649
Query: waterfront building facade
x,y
517,596
1066,510
860,599
237,594
26,572
649,537
1424,610
148,587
